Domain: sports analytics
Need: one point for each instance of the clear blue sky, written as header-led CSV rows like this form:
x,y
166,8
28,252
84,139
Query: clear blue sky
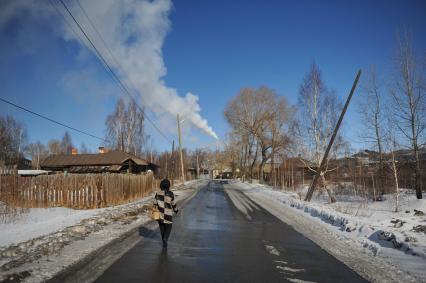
x,y
213,49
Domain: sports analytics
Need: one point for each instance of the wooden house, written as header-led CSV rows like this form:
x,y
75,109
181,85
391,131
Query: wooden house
x,y
115,161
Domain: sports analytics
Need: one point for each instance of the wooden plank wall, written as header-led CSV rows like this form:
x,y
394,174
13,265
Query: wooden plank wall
x,y
83,191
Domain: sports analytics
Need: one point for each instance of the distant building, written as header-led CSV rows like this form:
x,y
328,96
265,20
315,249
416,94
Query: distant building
x,y
227,175
113,162
367,157
20,163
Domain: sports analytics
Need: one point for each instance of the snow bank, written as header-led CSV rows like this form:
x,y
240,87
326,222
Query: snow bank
x,y
370,226
41,221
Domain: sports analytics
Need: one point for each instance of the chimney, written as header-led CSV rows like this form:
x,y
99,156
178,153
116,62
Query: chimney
x,y
101,149
74,151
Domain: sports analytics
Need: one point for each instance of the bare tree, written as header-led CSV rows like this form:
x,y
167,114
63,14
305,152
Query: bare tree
x,y
391,145
125,128
318,114
115,124
84,148
258,116
37,152
66,144
280,127
409,102
394,169
54,146
135,135
13,138
240,115
371,112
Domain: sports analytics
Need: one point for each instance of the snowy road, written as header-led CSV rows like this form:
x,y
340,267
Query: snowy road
x,y
222,236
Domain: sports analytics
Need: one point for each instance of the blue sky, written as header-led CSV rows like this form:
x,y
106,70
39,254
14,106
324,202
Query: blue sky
x,y
213,49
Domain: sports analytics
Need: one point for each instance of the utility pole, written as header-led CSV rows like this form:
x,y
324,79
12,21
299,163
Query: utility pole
x,y
167,167
198,169
180,150
320,172
122,141
173,162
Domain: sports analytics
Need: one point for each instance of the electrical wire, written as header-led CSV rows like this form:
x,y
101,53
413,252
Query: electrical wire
x,y
109,69
53,120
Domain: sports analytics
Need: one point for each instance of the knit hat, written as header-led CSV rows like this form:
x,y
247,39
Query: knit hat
x,y
165,185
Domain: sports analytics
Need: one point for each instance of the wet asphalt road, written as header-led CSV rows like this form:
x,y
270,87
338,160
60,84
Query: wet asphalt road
x,y
213,241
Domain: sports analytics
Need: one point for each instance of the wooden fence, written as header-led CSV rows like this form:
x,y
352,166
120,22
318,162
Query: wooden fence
x,y
74,190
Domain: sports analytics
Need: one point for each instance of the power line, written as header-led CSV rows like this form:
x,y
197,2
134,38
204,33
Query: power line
x,y
52,120
69,24
99,35
119,67
108,67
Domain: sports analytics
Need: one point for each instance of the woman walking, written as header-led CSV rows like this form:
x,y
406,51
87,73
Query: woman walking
x,y
165,202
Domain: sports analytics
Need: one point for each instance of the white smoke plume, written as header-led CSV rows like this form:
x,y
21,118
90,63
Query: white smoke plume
x,y
135,30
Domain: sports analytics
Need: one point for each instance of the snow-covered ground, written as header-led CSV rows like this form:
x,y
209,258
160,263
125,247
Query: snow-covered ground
x,y
41,221
380,244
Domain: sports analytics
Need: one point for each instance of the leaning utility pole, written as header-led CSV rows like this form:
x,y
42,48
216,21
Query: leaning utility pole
x,y
320,172
180,150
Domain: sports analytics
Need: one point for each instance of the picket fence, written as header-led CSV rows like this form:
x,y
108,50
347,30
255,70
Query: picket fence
x,y
81,191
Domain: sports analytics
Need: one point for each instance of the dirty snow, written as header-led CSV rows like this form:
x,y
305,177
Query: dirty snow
x,y
284,268
41,221
272,250
370,237
295,280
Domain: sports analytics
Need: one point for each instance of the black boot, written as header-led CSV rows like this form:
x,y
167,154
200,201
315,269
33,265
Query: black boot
x,y
164,244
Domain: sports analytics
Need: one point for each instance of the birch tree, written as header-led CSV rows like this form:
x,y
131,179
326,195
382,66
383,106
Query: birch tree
x,y
84,149
54,146
408,94
115,124
318,114
66,144
13,138
372,117
125,128
37,152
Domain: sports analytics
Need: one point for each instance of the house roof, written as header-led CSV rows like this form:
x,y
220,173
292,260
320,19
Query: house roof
x,y
115,157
